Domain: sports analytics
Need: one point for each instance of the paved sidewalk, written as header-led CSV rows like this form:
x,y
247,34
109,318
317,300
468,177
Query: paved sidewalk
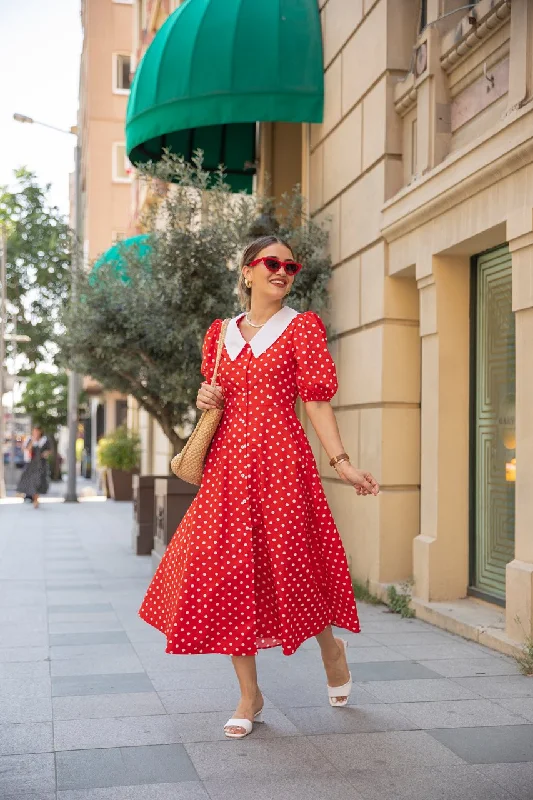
x,y
91,708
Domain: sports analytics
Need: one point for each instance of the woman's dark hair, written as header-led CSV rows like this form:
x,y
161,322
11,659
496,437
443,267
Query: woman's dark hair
x,y
249,254
38,428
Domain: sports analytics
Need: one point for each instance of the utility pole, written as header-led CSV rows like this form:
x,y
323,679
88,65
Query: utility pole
x,y
3,307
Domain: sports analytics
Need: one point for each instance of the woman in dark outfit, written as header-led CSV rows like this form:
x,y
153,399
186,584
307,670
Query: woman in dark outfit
x,y
34,479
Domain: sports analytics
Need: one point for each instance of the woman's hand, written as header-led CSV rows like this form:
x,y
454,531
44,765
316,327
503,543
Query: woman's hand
x,y
209,397
363,482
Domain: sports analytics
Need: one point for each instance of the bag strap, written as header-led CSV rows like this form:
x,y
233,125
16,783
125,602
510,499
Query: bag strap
x,y
221,339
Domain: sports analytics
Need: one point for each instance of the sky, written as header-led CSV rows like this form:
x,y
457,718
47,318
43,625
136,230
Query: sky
x,y
40,47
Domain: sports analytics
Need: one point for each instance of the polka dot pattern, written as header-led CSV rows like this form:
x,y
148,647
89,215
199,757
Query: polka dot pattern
x,y
257,560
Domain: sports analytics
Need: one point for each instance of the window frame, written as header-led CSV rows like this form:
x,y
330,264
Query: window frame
x,y
114,74
115,177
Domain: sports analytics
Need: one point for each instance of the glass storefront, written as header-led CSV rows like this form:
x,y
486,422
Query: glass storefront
x,y
493,424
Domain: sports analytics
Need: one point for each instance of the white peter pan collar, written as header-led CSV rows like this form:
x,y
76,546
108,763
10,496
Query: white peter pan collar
x,y
262,340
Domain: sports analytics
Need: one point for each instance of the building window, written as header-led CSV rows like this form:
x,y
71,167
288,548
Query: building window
x,y
121,73
493,436
121,164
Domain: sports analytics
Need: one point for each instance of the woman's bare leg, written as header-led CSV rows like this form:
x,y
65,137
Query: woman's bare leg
x,y
334,658
251,698
35,500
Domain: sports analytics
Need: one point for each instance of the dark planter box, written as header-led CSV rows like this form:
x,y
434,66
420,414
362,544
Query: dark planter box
x,y
172,499
143,513
120,484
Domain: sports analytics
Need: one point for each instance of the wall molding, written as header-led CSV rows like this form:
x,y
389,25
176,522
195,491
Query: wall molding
x,y
481,164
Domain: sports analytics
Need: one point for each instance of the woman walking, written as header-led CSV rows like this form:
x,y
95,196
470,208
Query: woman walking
x,y
34,479
257,561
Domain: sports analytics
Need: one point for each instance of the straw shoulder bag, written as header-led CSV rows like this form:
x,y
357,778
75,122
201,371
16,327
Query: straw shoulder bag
x,y
189,463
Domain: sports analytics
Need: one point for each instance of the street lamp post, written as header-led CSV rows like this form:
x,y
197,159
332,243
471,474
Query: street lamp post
x,y
73,380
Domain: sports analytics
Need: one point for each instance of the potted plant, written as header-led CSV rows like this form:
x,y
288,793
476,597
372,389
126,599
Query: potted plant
x,y
119,453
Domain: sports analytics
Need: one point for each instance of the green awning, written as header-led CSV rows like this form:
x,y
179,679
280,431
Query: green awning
x,y
115,256
214,69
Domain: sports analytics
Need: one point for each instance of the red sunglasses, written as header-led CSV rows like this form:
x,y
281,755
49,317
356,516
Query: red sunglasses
x,y
273,264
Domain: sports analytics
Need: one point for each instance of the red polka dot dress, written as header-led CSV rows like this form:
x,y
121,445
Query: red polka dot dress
x,y
257,560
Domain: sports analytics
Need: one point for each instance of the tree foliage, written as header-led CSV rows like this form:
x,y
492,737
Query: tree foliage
x,y
139,322
38,262
45,400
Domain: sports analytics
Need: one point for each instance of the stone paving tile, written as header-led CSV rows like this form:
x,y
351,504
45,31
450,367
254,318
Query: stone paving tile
x,y
389,623
457,714
490,745
167,681
83,608
94,665
361,655
31,796
25,708
304,787
391,671
88,734
119,683
312,693
23,615
514,778
24,671
324,720
208,726
102,637
75,627
384,750
418,690
420,652
471,667
23,774
499,686
186,790
521,706
23,637
258,758
26,737
427,638
21,687
123,766
444,783
20,654
67,652
185,701
54,587
107,705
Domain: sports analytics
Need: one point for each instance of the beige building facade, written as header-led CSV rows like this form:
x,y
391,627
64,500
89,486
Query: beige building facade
x,y
422,170
105,73
424,167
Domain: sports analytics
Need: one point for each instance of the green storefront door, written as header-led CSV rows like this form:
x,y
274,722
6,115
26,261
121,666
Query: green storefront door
x,y
493,424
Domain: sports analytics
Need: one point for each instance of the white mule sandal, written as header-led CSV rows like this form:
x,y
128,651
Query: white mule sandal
x,y
242,723
340,691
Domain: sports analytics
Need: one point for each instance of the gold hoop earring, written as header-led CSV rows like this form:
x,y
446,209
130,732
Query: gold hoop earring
x,y
248,284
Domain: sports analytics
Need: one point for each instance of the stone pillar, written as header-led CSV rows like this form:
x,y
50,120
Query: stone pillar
x,y
519,574
440,552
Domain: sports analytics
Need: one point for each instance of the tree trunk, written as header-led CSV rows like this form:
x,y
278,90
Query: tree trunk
x,y
55,469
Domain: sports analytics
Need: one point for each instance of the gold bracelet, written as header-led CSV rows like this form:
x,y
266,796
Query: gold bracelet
x,y
337,459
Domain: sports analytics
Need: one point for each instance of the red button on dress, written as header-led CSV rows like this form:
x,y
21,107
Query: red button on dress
x,y
257,560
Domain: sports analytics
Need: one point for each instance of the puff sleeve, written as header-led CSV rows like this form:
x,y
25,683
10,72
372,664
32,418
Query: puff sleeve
x,y
209,349
316,376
